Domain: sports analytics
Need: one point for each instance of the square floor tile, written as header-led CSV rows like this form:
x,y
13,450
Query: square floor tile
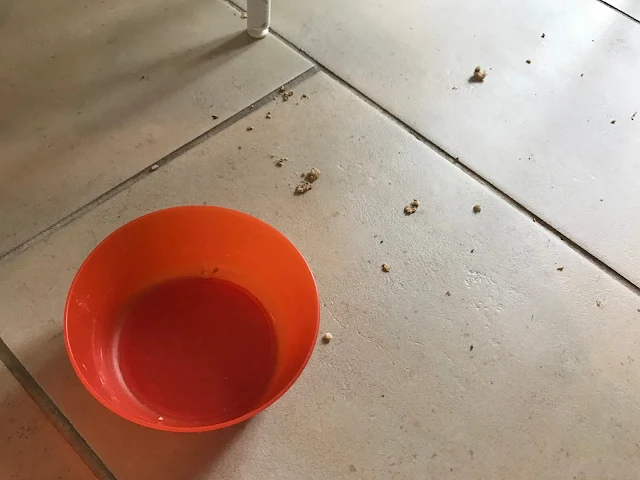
x,y
30,446
93,92
542,132
490,349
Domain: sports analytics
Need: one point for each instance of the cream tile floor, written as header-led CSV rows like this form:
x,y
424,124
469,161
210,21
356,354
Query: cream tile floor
x,y
541,132
30,447
548,389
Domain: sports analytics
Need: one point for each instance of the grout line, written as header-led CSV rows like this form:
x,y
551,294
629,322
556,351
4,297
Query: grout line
x,y
53,414
455,161
619,11
12,253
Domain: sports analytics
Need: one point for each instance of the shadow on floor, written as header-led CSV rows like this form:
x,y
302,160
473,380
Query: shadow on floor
x,y
130,451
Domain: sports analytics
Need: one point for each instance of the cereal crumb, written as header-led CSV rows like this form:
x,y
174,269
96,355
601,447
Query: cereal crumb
x,y
543,35
478,74
249,129
327,337
313,175
283,88
528,61
215,117
154,167
302,187
280,162
415,203
243,15
409,209
385,268
304,95
477,209
613,122
268,115
560,269
160,418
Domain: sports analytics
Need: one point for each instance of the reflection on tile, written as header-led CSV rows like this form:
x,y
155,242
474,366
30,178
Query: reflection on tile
x,y
30,446
92,92
474,357
541,132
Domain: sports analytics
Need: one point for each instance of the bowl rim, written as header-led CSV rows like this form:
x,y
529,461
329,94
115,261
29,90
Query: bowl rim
x,y
201,428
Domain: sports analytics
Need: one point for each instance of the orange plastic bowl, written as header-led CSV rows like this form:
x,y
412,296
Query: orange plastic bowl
x,y
191,318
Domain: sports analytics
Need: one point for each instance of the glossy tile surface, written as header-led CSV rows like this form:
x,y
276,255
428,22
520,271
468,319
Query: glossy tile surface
x,y
490,350
542,131
93,92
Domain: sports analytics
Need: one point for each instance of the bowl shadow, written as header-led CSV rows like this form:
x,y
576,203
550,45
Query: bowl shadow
x,y
129,451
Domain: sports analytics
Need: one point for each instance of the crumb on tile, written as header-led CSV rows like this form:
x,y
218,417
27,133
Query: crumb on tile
x,y
478,74
477,208
302,187
313,175
327,337
385,268
154,167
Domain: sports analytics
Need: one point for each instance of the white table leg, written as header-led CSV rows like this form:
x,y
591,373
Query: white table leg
x,y
258,17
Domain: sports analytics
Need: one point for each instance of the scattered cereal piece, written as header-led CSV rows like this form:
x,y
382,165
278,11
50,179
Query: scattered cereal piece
x,y
385,268
154,167
478,74
477,209
268,116
560,269
313,175
280,162
283,88
415,203
327,337
409,210
160,418
243,15
249,129
304,95
302,187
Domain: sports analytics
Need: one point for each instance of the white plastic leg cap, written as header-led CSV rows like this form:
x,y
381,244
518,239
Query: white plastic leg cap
x,y
258,33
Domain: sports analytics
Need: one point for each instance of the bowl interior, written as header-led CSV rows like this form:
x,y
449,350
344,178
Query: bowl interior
x,y
191,318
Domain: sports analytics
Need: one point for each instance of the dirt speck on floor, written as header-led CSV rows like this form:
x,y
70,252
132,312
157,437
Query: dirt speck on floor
x,y
302,187
249,128
448,293
352,468
385,268
560,269
268,116
542,36
214,117
613,122
304,95
634,115
409,210
280,162
154,167
598,303
327,337
477,208
243,15
528,61
470,348
478,74
313,175
472,250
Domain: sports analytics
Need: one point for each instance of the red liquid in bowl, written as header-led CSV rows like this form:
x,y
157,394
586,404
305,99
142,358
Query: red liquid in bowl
x,y
196,349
